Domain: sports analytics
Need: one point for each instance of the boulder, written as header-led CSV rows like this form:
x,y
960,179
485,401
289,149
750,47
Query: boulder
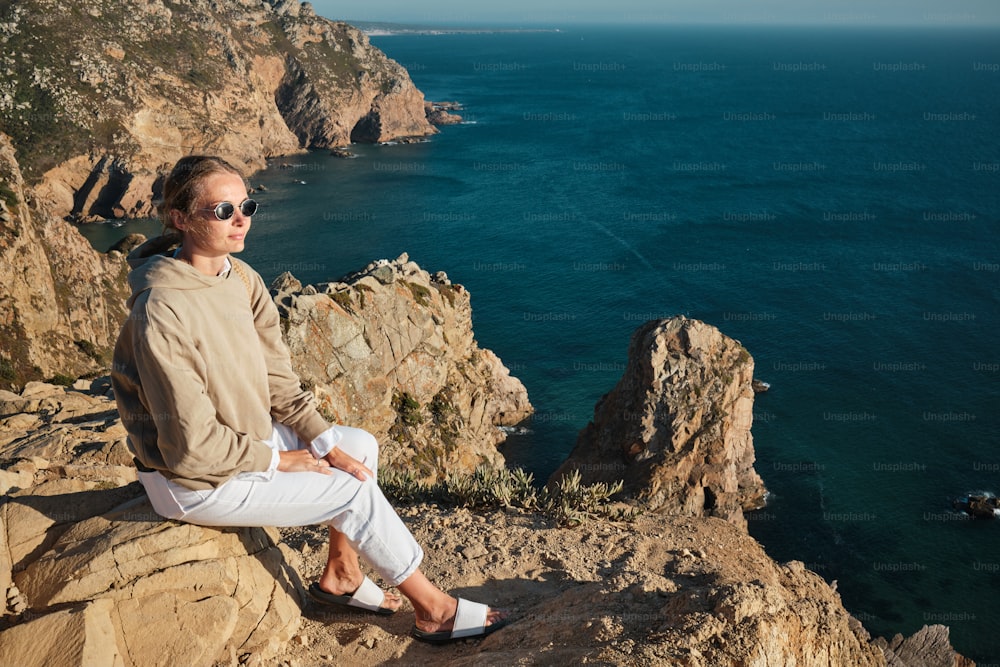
x,y
89,568
211,594
930,646
676,427
79,636
438,113
978,506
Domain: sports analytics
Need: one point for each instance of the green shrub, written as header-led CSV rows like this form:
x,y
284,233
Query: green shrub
x,y
8,195
442,408
362,290
7,371
570,503
490,487
63,380
421,294
408,409
89,349
449,292
343,299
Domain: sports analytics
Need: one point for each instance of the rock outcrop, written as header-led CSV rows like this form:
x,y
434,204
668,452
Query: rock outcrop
x,y
391,349
439,113
61,303
92,576
100,99
928,647
676,427
664,591
978,506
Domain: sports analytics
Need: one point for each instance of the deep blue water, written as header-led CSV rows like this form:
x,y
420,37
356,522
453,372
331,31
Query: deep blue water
x,y
830,198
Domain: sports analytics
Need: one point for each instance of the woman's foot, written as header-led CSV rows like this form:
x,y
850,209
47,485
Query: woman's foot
x,y
352,590
349,585
457,619
342,577
442,619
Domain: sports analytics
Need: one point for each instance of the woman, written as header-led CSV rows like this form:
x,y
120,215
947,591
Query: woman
x,y
223,434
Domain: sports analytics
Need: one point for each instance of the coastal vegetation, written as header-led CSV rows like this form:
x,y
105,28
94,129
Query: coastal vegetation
x,y
569,502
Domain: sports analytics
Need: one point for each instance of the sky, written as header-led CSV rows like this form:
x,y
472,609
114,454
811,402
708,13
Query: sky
x,y
566,12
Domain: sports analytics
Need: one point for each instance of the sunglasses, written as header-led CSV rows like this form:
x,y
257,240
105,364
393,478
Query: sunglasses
x,y
226,210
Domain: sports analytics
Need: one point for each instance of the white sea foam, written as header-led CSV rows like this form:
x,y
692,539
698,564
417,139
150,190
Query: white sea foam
x,y
516,430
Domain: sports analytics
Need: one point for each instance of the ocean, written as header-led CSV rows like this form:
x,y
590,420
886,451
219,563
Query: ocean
x,y
828,197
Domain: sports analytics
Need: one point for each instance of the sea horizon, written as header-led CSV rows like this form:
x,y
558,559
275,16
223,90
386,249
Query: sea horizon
x,y
833,21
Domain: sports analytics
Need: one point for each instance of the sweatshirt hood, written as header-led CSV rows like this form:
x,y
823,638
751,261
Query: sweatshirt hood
x,y
153,265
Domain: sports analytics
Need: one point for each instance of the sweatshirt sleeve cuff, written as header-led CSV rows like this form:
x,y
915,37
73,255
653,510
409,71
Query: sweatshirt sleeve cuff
x,y
262,475
324,443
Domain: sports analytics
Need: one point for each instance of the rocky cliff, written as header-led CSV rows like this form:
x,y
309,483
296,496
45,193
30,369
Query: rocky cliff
x,y
61,303
676,427
391,349
99,97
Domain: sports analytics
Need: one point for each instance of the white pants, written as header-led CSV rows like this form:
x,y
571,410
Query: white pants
x,y
355,508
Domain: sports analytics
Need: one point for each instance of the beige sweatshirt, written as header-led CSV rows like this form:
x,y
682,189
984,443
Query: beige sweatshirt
x,y
200,370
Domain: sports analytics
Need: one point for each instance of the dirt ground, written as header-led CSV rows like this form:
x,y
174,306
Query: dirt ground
x,y
510,561
602,593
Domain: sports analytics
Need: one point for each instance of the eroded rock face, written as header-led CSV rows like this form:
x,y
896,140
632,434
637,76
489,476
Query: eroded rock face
x,y
159,588
676,427
930,646
104,100
61,303
390,349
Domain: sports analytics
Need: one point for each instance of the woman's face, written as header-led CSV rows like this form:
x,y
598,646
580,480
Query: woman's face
x,y
206,235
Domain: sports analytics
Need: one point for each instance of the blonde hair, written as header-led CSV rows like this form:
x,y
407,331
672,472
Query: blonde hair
x,y
182,186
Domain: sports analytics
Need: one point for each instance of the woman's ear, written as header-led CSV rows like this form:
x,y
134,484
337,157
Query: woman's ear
x,y
177,220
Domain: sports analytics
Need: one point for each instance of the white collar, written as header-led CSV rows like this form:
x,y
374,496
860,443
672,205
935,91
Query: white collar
x,y
226,268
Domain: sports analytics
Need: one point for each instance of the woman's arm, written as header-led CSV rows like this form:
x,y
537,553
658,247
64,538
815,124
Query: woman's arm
x,y
172,372
290,404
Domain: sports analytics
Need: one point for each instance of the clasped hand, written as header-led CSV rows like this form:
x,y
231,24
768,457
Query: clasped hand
x,y
302,460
